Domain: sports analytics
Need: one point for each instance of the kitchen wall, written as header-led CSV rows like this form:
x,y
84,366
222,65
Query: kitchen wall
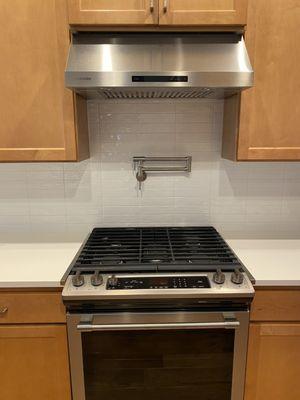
x,y
63,201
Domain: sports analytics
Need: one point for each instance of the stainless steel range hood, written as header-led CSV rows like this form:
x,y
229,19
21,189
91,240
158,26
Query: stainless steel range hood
x,y
169,65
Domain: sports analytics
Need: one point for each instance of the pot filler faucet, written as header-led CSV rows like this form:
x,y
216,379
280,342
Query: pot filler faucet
x,y
142,165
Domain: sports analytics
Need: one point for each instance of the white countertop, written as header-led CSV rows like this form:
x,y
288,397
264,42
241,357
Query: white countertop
x,y
34,264
271,262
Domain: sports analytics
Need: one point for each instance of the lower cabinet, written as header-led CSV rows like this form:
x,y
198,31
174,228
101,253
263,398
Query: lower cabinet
x,y
34,362
273,366
273,362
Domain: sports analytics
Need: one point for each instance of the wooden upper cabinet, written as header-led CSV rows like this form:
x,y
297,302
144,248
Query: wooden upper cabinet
x,y
113,12
203,12
37,112
269,126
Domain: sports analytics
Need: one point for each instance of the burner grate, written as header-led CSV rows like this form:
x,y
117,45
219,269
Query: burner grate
x,y
154,249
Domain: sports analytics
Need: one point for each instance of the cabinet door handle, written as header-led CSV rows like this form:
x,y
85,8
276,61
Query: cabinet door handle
x,y
3,310
151,6
165,6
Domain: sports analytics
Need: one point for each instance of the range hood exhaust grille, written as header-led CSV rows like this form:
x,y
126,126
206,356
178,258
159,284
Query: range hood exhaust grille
x,y
111,94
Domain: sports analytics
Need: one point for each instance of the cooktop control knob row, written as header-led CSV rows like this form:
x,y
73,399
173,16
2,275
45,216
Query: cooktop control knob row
x,y
219,277
237,277
77,279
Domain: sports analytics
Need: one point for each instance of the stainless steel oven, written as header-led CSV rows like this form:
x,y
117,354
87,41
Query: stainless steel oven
x,y
155,355
157,314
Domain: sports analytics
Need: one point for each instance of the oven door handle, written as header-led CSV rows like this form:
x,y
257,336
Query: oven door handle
x,y
232,324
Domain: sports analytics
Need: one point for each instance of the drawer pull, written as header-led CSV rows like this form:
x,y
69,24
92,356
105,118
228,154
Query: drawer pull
x,y
3,310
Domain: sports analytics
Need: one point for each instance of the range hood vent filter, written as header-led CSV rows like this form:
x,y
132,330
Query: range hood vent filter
x,y
154,94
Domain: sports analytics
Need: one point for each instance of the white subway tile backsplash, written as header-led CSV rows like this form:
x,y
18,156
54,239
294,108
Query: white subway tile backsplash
x,y
266,171
64,201
47,207
204,108
201,129
292,171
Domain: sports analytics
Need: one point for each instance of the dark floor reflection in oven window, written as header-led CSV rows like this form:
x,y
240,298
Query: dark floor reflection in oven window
x,y
158,365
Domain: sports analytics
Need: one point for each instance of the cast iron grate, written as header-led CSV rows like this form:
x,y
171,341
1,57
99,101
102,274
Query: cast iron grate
x,y
155,249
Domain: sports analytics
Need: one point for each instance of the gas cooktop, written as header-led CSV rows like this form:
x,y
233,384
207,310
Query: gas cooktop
x,y
154,249
161,261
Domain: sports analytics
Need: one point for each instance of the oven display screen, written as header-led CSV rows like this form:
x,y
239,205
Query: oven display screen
x,y
159,281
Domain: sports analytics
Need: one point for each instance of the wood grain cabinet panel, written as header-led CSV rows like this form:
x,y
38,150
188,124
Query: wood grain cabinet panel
x,y
34,363
203,12
276,305
113,12
37,112
273,368
269,125
25,307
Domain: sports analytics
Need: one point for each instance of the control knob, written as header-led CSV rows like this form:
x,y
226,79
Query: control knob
x,y
219,277
96,279
77,279
112,281
237,277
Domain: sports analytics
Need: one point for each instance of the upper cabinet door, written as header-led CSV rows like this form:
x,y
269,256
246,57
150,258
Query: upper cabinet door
x,y
37,116
203,12
113,12
270,112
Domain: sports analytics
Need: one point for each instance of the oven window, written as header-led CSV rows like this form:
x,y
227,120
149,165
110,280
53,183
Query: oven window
x,y
158,365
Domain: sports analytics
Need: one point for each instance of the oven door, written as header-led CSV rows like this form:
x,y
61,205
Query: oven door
x,y
158,356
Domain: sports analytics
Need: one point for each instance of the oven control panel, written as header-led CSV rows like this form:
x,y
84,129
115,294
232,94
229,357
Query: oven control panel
x,y
158,282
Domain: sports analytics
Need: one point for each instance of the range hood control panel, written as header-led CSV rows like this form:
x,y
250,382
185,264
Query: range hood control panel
x,y
159,78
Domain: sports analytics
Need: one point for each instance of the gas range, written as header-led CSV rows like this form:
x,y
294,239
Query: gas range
x,y
121,267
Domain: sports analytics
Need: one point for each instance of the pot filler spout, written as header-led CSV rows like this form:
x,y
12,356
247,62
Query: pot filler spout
x,y
155,65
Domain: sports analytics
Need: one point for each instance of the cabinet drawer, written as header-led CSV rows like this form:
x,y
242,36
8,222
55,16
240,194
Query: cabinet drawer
x,y
31,307
203,12
276,305
113,12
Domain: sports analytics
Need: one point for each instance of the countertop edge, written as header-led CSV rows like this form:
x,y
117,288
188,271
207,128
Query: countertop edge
x,y
272,283
56,284
31,285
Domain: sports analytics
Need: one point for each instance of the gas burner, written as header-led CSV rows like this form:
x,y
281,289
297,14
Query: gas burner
x,y
115,245
111,260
